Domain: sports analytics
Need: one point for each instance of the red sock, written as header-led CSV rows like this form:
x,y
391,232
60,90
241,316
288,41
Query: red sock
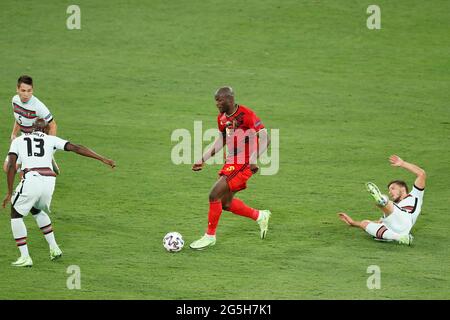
x,y
238,207
215,209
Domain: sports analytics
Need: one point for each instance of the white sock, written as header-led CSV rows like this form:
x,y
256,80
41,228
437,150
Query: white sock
x,y
390,235
19,231
381,232
260,216
385,201
45,224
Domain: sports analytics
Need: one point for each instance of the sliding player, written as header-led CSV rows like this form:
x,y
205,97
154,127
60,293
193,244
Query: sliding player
x,y
399,214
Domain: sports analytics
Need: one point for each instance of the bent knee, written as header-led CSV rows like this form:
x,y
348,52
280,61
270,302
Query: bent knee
x,y
214,196
34,211
226,205
15,214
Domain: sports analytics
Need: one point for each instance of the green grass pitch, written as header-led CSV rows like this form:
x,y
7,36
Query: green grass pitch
x,y
343,97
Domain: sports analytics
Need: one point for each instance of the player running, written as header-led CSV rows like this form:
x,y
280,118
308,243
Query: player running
x,y
400,214
246,139
35,190
27,108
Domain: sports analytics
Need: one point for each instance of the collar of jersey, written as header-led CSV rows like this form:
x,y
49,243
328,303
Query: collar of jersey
x,y
233,112
27,101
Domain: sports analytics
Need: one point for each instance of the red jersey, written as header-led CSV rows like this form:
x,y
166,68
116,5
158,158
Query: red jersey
x,y
240,130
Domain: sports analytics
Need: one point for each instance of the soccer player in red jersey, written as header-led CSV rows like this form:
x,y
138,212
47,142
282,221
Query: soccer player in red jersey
x,y
246,139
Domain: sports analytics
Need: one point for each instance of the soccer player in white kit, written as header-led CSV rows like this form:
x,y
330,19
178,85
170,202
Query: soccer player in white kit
x,y
26,109
400,214
35,190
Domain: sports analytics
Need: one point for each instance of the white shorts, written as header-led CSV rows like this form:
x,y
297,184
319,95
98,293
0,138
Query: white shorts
x,y
33,191
399,221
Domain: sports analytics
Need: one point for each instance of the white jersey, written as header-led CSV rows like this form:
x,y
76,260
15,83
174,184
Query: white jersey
x,y
405,212
26,113
36,149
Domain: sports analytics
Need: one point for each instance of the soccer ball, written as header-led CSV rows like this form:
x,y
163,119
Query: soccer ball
x,y
173,242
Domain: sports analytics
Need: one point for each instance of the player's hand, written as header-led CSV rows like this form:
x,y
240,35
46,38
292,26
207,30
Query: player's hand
x,y
395,161
254,168
109,162
197,166
6,200
346,218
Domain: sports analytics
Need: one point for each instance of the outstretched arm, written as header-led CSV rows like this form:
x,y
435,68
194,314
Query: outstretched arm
x,y
216,147
353,223
86,152
421,176
375,229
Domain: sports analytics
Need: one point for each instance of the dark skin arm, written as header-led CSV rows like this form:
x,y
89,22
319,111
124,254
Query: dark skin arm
x,y
79,149
218,145
86,152
264,142
10,175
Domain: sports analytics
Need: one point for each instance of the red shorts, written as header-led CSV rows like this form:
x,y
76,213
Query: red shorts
x,y
237,175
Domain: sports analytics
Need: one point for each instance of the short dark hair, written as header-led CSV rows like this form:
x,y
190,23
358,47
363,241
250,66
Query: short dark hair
x,y
225,91
39,125
25,79
401,183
